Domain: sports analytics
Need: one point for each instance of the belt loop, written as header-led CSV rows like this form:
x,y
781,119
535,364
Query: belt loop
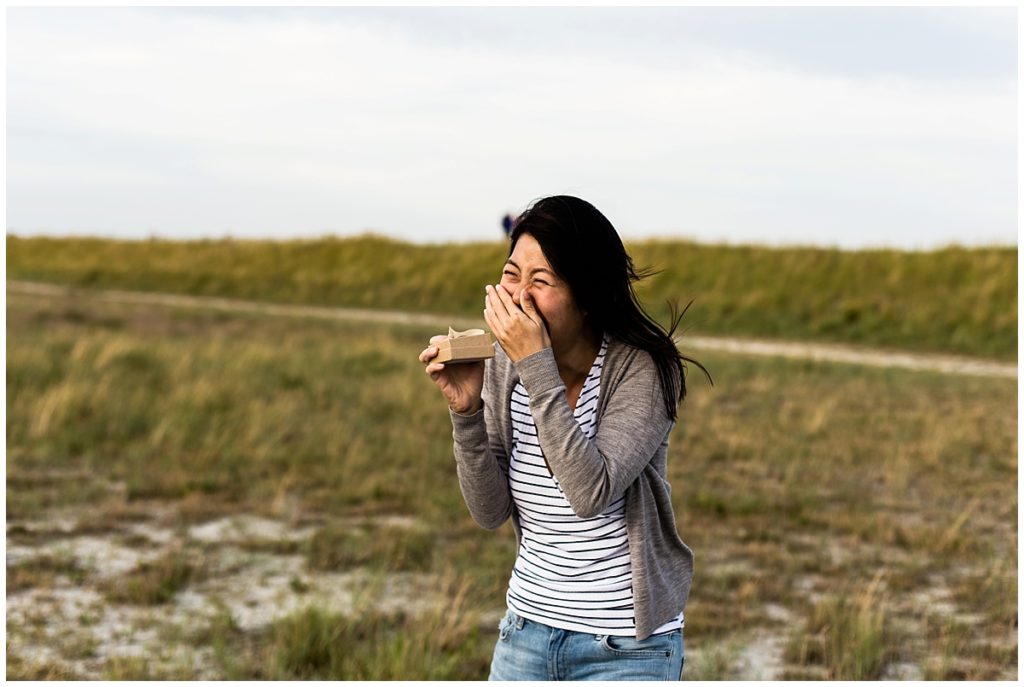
x,y
519,621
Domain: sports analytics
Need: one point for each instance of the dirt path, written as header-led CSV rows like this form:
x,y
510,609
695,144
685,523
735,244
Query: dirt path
x,y
788,349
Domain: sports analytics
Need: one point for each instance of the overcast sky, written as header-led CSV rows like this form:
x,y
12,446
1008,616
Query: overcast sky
x,y
854,127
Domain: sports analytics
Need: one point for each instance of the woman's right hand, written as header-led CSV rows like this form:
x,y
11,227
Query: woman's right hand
x,y
461,384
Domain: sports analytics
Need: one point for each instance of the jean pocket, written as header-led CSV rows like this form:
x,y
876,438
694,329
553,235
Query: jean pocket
x,y
658,645
507,624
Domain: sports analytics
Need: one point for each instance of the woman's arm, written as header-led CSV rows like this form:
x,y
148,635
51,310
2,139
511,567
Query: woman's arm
x,y
479,454
478,448
593,473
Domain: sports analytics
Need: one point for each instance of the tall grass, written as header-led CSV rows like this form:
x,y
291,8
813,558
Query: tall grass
x,y
788,475
850,635
952,300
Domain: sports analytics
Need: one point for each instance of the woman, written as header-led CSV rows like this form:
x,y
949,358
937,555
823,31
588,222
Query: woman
x,y
566,431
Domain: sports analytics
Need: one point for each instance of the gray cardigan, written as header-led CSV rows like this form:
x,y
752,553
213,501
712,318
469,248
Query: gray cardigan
x,y
627,455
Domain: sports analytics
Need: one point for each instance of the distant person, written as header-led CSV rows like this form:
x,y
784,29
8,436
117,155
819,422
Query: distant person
x,y
508,223
566,431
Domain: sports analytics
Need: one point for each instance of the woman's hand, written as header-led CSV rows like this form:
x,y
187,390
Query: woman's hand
x,y
520,331
461,384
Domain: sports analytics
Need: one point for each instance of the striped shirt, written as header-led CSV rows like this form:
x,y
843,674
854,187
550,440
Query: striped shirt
x,y
570,573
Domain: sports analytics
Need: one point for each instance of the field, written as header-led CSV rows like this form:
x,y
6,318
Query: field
x,y
196,494
954,300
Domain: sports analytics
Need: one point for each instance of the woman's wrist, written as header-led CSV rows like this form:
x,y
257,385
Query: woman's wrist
x,y
471,410
525,351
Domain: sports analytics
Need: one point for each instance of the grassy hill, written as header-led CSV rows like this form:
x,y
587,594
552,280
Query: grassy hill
x,y
953,300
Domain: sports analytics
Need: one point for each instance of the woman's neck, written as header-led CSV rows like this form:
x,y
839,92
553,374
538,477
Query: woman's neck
x,y
575,360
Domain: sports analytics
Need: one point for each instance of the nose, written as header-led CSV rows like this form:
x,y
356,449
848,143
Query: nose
x,y
517,296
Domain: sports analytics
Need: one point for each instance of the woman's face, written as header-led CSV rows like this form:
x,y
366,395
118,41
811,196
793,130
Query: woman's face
x,y
528,270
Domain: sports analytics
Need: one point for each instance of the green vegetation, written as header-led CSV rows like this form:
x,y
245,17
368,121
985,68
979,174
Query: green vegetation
x,y
390,549
42,571
952,300
20,668
152,582
793,481
849,635
446,644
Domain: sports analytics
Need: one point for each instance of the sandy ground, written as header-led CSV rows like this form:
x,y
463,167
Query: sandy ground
x,y
72,624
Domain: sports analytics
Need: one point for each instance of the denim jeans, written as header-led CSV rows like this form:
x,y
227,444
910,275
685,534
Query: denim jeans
x,y
528,650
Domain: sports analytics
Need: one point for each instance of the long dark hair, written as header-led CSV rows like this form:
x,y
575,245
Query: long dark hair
x,y
585,250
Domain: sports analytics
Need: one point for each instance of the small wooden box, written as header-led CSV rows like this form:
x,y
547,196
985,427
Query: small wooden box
x,y
465,347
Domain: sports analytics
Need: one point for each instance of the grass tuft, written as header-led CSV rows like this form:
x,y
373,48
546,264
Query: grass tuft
x,y
43,572
850,636
153,582
393,549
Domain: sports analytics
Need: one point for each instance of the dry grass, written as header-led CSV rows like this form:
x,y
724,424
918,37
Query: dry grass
x,y
848,634
43,571
154,582
343,547
21,668
792,481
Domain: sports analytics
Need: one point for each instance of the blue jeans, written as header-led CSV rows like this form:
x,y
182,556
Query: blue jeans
x,y
528,650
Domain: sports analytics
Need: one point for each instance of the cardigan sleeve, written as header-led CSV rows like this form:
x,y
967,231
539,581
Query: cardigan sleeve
x,y
479,457
632,426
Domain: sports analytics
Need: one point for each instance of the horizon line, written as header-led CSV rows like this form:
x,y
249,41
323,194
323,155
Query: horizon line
x,y
379,235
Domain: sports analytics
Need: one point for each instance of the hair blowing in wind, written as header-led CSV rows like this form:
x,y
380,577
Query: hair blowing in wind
x,y
586,251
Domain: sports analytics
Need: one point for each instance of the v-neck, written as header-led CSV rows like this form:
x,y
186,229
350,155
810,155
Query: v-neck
x,y
594,373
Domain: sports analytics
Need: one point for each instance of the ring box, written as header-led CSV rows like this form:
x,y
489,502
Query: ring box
x,y
469,346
